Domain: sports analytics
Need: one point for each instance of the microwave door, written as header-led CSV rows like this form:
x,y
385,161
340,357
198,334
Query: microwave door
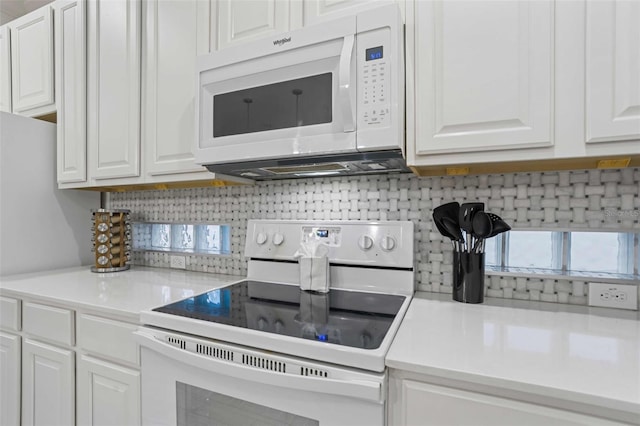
x,y
300,101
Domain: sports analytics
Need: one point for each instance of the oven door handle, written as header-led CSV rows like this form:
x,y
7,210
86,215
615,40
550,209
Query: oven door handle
x,y
344,76
361,389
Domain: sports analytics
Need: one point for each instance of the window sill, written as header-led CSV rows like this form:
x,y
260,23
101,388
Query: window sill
x,y
557,274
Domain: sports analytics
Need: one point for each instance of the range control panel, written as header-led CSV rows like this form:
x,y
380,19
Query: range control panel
x,y
388,243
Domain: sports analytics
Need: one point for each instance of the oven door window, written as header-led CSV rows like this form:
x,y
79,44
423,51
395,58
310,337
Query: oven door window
x,y
293,103
201,407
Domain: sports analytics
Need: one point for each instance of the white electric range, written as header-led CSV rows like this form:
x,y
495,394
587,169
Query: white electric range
x,y
263,351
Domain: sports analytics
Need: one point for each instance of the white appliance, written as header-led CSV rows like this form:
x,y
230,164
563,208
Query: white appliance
x,y
326,99
263,351
41,227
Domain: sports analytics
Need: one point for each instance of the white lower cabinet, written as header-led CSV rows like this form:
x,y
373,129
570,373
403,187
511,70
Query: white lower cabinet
x,y
414,402
108,394
60,365
9,379
47,384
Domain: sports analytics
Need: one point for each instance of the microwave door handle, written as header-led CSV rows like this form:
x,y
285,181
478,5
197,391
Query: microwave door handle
x,y
345,88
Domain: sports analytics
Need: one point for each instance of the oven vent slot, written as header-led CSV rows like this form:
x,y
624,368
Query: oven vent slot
x,y
264,363
177,342
213,352
306,371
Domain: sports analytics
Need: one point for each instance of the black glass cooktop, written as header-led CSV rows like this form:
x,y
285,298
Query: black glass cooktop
x,y
342,317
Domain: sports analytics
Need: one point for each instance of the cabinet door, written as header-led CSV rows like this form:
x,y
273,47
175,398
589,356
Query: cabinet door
x,y
175,32
47,385
32,63
425,404
71,75
483,75
9,379
5,69
113,100
613,71
240,21
107,394
318,10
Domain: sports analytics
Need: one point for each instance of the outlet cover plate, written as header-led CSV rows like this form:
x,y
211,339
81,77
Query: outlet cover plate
x,y
178,262
621,296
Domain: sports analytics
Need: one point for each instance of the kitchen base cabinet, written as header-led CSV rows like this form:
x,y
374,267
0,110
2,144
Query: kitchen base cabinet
x,y
108,394
47,384
415,402
9,379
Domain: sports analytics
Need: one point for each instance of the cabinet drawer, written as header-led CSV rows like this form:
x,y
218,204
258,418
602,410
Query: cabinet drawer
x,y
47,322
104,337
10,313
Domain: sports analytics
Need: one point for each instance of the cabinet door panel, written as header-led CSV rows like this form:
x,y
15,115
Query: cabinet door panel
x,y
5,69
174,36
32,63
47,385
240,21
425,404
318,10
71,78
114,88
613,70
107,394
483,76
9,379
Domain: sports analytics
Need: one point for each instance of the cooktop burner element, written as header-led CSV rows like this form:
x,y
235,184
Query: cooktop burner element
x,y
341,317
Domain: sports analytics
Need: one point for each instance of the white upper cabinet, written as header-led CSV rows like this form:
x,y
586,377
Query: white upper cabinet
x,y
32,63
318,10
5,69
240,21
483,75
613,71
113,77
175,32
70,45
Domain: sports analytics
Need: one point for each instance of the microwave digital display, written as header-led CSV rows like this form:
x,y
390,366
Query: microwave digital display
x,y
373,53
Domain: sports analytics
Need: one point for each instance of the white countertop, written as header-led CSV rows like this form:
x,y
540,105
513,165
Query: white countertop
x,y
125,293
578,357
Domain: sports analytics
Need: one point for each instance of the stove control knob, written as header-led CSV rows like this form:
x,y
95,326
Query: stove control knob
x,y
365,242
388,243
262,324
279,326
261,238
278,239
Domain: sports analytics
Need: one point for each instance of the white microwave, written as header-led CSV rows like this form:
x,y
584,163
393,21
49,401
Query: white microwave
x,y
327,99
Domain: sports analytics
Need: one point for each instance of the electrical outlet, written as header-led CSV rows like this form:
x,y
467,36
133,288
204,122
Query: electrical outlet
x,y
179,262
613,295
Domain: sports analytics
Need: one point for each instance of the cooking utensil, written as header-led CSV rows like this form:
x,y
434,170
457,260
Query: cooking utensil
x,y
465,219
449,210
452,228
498,225
481,229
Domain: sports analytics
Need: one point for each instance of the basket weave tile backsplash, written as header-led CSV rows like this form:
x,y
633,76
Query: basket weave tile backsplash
x,y
593,199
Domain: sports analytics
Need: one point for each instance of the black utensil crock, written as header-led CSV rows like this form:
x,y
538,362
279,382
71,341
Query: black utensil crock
x,y
468,277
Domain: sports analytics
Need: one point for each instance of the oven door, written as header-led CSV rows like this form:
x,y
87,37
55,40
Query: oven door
x,y
192,381
294,96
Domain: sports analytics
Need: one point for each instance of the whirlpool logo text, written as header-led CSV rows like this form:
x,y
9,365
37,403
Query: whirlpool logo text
x,y
281,41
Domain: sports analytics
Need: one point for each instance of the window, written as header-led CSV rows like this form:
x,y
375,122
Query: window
x,y
204,238
565,253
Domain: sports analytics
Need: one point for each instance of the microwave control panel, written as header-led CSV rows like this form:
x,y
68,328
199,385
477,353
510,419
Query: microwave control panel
x,y
374,88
